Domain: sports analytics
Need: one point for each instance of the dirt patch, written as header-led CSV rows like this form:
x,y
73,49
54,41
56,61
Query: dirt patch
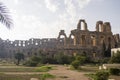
x,y
34,79
63,73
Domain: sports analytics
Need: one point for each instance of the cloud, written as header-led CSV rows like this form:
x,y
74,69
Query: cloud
x,y
72,13
49,4
16,2
70,8
83,3
66,15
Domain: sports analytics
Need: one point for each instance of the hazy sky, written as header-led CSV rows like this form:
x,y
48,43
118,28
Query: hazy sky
x,y
45,18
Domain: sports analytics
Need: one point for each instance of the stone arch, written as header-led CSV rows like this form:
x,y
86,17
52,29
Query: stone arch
x,y
99,26
82,25
62,33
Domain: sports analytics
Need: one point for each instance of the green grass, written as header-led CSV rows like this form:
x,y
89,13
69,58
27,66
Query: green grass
x,y
90,76
43,69
26,77
24,69
18,77
46,75
88,69
15,69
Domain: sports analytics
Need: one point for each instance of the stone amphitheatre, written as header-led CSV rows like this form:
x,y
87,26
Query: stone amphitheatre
x,y
80,40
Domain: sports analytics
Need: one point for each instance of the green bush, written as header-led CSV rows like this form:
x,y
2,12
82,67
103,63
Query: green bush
x,y
61,58
30,63
75,64
114,71
33,61
101,75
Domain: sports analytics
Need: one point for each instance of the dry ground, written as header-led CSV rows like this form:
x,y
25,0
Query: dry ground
x,y
61,72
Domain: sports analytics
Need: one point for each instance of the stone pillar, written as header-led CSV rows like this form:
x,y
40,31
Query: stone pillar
x,y
107,26
74,40
99,24
79,25
85,26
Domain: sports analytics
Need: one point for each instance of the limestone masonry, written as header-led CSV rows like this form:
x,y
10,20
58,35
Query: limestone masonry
x,y
80,40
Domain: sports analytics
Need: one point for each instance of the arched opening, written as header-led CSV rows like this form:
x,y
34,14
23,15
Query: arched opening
x,y
100,28
73,39
62,36
28,43
82,26
62,39
83,40
93,40
23,44
19,44
101,39
15,44
36,43
94,54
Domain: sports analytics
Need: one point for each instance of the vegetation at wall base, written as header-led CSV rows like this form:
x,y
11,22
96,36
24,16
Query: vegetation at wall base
x,y
115,58
19,57
114,71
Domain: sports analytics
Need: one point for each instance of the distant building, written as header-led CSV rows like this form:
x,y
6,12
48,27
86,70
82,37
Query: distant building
x,y
114,51
90,43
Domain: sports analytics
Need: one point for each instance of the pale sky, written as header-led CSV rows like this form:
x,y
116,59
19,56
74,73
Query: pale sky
x,y
45,18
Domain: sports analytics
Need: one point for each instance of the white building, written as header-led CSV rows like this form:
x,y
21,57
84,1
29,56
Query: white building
x,y
114,51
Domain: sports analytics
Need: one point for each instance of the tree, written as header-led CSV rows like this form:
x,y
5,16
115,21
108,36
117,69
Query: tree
x,y
19,57
33,61
4,17
62,58
79,60
75,64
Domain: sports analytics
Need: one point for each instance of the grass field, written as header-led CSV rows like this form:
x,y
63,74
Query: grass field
x,y
26,77
14,68
12,72
18,77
